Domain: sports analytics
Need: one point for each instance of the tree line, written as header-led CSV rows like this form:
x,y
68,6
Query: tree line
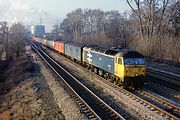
x,y
152,28
12,40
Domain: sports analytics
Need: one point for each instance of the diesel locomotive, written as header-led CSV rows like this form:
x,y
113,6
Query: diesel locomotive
x,y
121,66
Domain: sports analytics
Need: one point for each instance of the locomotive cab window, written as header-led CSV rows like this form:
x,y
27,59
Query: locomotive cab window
x,y
134,61
119,61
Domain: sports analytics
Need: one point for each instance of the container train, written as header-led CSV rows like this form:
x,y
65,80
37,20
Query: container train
x,y
121,66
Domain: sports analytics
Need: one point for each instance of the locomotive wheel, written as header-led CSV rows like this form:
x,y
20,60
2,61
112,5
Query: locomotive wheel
x,y
125,85
92,68
106,76
118,82
100,72
95,70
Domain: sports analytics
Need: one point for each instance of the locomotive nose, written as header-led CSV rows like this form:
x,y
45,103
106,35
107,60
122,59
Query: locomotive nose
x,y
135,71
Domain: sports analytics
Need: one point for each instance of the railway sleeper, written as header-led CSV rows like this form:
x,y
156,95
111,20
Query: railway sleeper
x,y
92,117
85,109
89,113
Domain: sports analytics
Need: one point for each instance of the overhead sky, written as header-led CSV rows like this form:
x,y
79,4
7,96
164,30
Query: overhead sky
x,y
29,11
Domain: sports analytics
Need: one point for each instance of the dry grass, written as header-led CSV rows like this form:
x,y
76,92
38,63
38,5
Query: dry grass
x,y
13,73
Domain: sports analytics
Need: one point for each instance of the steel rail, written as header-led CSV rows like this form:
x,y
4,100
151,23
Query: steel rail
x,y
149,105
175,110
71,89
166,78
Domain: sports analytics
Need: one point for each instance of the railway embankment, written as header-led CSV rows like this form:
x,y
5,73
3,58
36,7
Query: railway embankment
x,y
30,91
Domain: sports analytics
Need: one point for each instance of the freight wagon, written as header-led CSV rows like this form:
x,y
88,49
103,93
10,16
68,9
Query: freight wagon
x,y
50,43
44,42
74,51
59,46
40,40
35,39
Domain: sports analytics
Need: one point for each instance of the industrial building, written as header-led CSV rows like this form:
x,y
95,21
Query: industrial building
x,y
38,30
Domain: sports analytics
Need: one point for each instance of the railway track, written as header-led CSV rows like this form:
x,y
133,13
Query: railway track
x,y
166,106
163,91
91,105
170,111
162,77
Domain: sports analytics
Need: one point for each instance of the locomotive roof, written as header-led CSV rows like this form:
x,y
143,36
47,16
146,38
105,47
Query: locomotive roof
x,y
75,44
114,51
96,48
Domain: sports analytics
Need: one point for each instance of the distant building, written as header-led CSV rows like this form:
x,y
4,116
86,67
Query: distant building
x,y
28,27
38,30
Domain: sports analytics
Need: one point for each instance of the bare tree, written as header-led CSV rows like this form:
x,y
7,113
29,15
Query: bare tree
x,y
152,18
4,40
113,27
174,19
148,28
18,35
94,26
138,13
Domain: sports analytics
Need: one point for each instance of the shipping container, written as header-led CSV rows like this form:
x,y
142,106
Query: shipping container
x,y
50,43
74,50
40,40
35,38
59,46
44,41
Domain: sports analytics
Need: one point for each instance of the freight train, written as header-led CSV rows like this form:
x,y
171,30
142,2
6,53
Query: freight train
x,y
121,66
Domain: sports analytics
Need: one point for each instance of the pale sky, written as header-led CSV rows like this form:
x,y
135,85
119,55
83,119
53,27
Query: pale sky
x,y
29,11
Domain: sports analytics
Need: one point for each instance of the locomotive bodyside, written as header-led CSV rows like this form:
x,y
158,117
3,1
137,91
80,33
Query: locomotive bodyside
x,y
117,65
104,62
